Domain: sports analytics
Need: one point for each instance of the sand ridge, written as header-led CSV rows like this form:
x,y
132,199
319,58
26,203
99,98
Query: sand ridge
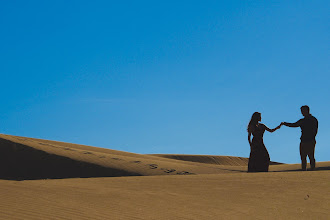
x,y
211,159
30,158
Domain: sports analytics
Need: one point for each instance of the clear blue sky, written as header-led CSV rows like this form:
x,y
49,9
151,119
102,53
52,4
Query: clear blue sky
x,y
165,76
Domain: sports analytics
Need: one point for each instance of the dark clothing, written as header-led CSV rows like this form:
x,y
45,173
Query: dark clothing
x,y
308,125
259,157
307,149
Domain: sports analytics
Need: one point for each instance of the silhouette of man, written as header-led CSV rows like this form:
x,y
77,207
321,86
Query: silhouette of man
x,y
309,127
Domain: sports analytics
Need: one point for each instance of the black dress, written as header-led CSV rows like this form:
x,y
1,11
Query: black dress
x,y
259,157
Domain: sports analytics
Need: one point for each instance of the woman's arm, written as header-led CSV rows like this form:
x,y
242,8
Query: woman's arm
x,y
272,130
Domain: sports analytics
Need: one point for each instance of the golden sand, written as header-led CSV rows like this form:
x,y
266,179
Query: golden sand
x,y
150,186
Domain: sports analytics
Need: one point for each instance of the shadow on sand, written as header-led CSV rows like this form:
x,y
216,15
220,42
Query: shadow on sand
x,y
295,170
276,171
21,162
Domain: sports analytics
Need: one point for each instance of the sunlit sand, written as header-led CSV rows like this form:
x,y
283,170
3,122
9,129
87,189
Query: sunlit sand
x,y
68,181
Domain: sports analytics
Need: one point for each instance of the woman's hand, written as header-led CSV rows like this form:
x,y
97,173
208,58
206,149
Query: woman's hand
x,y
278,127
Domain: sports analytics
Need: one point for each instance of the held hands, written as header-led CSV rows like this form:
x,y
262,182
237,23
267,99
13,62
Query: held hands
x,y
278,127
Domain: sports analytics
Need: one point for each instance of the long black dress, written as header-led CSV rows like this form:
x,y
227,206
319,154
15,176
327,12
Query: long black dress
x,y
259,157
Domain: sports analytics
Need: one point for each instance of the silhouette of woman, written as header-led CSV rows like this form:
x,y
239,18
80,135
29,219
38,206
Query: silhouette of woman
x,y
259,157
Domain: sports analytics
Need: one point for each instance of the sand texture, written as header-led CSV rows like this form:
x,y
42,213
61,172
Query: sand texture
x,y
210,159
69,181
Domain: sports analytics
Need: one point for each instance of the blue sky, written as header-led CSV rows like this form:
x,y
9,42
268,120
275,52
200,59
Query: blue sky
x,y
165,77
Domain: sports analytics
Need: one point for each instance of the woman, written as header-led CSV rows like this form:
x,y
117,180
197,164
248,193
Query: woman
x,y
259,157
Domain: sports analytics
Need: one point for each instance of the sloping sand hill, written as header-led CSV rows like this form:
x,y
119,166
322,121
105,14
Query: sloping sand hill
x,y
149,186
30,158
210,159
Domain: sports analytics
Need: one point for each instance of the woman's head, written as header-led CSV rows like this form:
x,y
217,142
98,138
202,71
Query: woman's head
x,y
256,117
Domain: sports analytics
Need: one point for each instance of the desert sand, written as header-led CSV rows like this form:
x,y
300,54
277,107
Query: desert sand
x,y
42,179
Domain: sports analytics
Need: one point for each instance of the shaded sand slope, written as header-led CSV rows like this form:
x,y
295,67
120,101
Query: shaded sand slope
x,y
277,195
30,158
210,159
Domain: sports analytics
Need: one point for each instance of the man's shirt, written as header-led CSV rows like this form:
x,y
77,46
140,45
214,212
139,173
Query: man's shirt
x,y
309,127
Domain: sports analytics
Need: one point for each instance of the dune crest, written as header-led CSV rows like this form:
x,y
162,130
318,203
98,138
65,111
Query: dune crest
x,y
30,158
23,158
211,159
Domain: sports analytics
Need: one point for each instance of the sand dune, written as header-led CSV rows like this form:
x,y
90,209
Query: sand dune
x,y
30,158
149,186
211,159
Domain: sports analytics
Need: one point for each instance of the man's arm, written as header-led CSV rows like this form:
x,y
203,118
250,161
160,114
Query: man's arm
x,y
292,125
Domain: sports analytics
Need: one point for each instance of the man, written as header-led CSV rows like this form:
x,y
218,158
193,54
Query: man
x,y
309,126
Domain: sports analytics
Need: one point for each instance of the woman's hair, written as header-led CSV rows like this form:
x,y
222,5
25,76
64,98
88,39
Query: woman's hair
x,y
254,121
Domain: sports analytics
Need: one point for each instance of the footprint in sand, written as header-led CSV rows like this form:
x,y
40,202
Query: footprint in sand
x,y
184,173
115,158
87,152
153,166
168,170
136,161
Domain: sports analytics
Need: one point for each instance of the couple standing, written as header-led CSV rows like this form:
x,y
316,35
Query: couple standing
x,y
259,157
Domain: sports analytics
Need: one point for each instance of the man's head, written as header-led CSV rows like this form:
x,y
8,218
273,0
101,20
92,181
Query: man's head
x,y
304,110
